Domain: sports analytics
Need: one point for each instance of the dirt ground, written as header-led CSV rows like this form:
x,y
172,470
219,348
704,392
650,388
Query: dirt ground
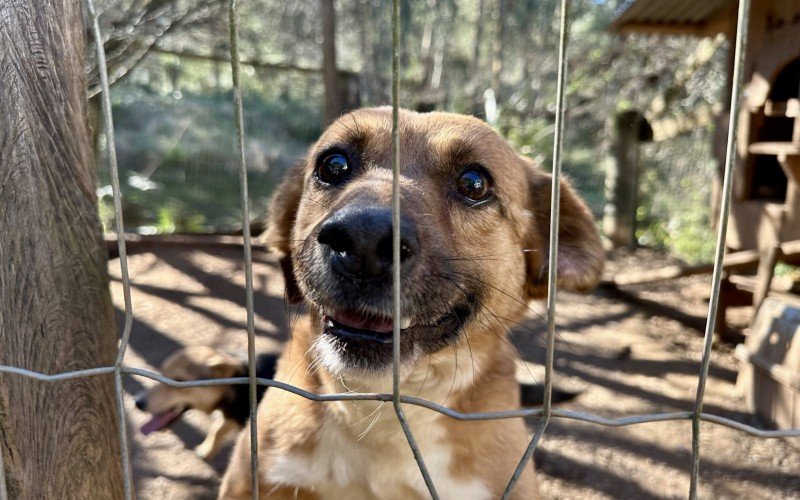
x,y
620,357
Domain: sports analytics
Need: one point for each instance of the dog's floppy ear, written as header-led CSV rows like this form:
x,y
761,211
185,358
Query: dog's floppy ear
x,y
221,366
280,220
580,251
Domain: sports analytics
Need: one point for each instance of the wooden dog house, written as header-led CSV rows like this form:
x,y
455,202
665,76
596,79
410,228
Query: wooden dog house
x,y
765,211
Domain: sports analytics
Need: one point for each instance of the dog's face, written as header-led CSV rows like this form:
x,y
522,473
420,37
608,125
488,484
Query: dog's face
x,y
474,227
167,403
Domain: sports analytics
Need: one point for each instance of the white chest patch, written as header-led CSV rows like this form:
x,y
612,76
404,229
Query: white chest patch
x,y
349,463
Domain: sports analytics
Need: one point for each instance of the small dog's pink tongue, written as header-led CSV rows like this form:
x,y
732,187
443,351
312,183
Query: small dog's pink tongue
x,y
354,320
159,421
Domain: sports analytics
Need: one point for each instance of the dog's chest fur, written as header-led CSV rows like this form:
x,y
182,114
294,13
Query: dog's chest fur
x,y
362,453
357,449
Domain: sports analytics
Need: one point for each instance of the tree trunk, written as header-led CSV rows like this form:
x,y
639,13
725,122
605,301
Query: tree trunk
x,y
58,439
426,45
367,46
497,48
476,48
330,76
629,128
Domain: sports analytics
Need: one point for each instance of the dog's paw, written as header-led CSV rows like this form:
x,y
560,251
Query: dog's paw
x,y
205,451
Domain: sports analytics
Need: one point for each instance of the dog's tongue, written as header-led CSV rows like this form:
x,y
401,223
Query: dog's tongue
x,y
354,320
159,421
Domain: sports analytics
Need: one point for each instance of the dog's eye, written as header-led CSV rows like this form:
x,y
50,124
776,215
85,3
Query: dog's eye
x,y
333,168
474,185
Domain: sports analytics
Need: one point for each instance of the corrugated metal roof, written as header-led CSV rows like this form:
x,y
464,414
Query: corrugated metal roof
x,y
689,16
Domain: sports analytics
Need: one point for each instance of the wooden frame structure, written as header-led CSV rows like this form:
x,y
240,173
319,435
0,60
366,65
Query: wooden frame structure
x,y
764,226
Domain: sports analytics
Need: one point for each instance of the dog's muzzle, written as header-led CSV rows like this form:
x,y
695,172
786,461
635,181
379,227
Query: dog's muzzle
x,y
350,279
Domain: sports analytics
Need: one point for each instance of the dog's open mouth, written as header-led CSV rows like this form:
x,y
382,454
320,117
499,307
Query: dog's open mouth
x,y
160,421
352,327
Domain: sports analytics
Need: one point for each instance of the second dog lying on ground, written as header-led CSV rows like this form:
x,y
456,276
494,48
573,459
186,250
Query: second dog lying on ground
x,y
229,404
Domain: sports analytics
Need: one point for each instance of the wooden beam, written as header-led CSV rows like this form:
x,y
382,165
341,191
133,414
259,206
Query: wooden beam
x,y
736,261
662,274
137,243
775,148
788,109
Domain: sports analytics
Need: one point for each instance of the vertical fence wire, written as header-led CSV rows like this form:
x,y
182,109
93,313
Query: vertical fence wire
x,y
546,413
396,309
248,248
552,260
3,488
108,123
742,25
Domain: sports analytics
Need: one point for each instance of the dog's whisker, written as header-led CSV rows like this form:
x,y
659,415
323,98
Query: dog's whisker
x,y
273,490
296,366
500,290
507,338
455,375
374,421
344,384
366,415
469,347
425,378
518,323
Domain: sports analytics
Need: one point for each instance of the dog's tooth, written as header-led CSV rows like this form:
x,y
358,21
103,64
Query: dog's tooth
x,y
405,323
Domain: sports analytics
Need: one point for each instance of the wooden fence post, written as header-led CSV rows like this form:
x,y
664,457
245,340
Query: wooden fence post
x,y
59,439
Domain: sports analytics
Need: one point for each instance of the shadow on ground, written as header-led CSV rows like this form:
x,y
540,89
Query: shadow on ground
x,y
620,359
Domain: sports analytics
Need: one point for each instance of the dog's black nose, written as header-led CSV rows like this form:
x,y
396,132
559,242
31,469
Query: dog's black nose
x,y
360,239
141,401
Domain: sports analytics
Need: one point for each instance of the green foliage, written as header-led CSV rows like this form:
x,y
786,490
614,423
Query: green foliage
x,y
178,165
534,138
785,270
175,124
674,198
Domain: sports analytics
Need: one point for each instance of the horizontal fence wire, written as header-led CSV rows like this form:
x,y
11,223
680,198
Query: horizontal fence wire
x,y
424,403
545,413
742,24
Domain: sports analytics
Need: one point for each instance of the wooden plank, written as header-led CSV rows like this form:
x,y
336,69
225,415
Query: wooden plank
x,y
139,243
787,109
778,372
662,274
736,261
775,148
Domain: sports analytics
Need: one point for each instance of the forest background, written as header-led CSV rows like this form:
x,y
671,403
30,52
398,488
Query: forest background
x,y
496,59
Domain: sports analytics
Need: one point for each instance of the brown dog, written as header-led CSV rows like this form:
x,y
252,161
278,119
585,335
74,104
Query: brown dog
x,y
228,403
474,235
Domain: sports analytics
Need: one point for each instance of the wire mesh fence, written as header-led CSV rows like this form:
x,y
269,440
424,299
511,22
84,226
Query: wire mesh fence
x,y
545,413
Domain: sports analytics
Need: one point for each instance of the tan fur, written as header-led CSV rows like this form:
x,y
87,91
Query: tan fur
x,y
197,363
356,449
